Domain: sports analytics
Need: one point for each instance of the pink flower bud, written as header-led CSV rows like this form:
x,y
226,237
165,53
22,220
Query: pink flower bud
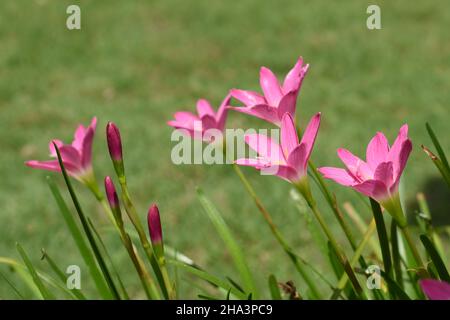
x,y
114,141
113,199
111,193
115,149
154,225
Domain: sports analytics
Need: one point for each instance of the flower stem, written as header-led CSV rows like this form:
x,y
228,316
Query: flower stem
x,y
273,228
344,279
158,266
407,234
146,280
384,240
305,191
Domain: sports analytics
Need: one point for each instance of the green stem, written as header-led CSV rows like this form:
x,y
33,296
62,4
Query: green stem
x,y
344,279
396,255
160,273
273,228
384,240
333,204
87,229
305,191
412,246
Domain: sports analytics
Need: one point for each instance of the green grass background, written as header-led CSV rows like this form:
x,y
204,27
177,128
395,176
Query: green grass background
x,y
137,62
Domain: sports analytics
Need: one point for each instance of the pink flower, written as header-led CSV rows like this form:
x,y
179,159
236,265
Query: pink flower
x,y
435,290
288,160
278,98
379,176
197,125
77,157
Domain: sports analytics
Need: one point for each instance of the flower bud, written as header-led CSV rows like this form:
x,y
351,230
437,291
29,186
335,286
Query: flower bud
x,y
154,228
115,148
113,199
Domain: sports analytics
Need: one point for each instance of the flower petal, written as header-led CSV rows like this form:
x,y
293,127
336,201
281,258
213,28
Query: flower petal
x,y
270,86
297,159
339,175
261,111
183,119
256,163
377,150
221,115
358,168
385,173
372,188
288,135
435,289
287,104
86,151
265,147
310,134
204,108
294,78
52,165
285,172
249,98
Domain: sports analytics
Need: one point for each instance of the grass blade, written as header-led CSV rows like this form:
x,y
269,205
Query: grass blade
x,y
80,242
396,258
61,275
436,258
383,238
23,274
47,295
108,258
438,147
445,172
274,289
210,278
87,230
231,244
16,291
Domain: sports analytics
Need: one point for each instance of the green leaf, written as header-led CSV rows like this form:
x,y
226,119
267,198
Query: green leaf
x,y
87,230
311,224
210,278
445,172
392,285
36,279
438,147
107,257
61,275
436,258
383,238
24,275
77,236
16,291
396,258
232,246
274,289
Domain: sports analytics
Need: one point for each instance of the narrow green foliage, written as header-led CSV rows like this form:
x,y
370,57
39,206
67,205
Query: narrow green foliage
x,y
231,244
47,295
435,258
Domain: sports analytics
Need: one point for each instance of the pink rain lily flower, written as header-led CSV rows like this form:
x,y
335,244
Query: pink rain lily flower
x,y
379,176
76,157
288,160
435,289
278,98
197,125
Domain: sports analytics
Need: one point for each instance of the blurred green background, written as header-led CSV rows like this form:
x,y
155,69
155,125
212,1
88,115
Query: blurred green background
x,y
137,62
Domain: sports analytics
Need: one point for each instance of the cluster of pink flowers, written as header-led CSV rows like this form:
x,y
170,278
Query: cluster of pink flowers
x,y
378,177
